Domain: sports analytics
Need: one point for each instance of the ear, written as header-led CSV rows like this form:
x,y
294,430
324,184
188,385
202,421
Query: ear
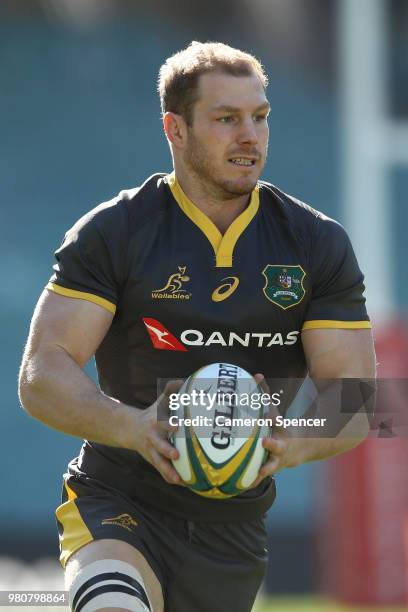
x,y
176,129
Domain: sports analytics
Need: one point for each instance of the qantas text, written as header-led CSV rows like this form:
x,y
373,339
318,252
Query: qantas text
x,y
194,337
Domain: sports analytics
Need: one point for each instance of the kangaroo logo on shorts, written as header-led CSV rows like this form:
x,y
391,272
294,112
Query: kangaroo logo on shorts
x,y
284,285
123,520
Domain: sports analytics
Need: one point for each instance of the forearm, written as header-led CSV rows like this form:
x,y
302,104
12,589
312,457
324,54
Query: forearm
x,y
305,450
55,390
345,410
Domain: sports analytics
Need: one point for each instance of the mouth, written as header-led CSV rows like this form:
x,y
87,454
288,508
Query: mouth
x,y
246,162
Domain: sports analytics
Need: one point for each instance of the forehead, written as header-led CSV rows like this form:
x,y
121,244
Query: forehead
x,y
220,89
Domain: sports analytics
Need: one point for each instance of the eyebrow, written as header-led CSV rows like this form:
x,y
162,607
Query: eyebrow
x,y
233,109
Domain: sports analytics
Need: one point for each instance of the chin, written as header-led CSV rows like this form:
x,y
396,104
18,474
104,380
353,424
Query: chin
x,y
239,187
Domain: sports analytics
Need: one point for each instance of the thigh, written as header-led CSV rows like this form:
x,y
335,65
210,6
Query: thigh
x,y
98,523
119,551
224,569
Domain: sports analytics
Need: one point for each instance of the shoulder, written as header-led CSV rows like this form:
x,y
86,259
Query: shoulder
x,y
147,202
303,218
288,205
119,214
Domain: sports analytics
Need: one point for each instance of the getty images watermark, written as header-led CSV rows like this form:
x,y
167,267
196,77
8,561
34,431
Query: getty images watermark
x,y
317,408
223,405
221,408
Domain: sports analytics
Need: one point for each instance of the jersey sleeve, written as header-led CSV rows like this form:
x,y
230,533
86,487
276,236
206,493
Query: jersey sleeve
x,y
337,299
89,263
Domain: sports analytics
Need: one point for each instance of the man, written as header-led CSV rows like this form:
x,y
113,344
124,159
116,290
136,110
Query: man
x,y
142,282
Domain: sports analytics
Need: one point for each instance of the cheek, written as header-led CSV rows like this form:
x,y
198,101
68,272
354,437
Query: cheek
x,y
213,143
215,137
216,145
263,134
208,140
267,134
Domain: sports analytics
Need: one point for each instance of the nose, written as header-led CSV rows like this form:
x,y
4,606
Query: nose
x,y
248,133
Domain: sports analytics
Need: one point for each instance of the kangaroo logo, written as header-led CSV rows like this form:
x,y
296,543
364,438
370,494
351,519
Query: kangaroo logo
x,y
123,520
175,281
174,286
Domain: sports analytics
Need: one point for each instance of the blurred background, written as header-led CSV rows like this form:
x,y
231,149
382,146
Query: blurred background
x,y
80,120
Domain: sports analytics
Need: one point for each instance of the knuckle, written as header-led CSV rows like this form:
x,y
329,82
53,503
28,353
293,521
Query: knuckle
x,y
149,441
162,473
168,389
166,473
166,451
153,460
172,386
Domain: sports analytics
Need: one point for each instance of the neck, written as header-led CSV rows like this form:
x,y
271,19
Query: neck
x,y
222,212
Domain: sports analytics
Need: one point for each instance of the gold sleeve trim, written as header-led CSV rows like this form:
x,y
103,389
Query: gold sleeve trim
x,y
81,295
322,324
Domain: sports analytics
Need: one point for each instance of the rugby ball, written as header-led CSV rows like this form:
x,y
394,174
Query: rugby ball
x,y
220,412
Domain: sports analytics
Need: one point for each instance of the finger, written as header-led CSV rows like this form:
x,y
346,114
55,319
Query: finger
x,y
165,426
172,386
274,446
162,402
270,467
165,468
163,446
261,381
273,411
160,443
267,469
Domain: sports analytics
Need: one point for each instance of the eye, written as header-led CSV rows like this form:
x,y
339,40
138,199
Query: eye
x,y
261,118
227,119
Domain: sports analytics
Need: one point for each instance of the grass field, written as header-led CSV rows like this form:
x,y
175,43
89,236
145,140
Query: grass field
x,y
313,604
275,604
46,574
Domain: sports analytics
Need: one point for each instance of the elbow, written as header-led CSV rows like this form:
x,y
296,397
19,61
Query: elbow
x,y
28,389
24,391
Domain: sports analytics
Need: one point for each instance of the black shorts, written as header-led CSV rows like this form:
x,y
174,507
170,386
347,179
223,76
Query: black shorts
x,y
202,566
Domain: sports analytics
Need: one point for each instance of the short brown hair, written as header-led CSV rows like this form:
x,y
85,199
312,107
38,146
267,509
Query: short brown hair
x,y
179,75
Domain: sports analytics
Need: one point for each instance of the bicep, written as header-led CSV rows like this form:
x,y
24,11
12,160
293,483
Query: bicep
x,y
78,326
339,353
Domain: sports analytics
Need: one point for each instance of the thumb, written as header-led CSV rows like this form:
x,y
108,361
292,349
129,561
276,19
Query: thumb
x,y
172,386
273,411
163,410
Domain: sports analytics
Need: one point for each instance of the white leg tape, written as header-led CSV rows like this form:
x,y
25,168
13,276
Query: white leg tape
x,y
108,583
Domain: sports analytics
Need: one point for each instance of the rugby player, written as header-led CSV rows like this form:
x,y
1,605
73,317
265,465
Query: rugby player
x,y
202,265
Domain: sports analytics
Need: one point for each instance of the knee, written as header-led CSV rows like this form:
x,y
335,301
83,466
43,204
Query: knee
x,y
107,584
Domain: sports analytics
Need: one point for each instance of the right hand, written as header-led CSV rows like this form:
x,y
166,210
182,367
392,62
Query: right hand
x,y
152,435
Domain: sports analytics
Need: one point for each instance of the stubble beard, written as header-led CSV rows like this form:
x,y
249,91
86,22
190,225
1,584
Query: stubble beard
x,y
201,166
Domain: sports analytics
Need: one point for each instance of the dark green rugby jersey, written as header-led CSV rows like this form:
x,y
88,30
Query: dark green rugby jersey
x,y
184,296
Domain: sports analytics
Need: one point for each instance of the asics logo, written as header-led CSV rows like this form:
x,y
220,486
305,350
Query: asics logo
x,y
229,284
